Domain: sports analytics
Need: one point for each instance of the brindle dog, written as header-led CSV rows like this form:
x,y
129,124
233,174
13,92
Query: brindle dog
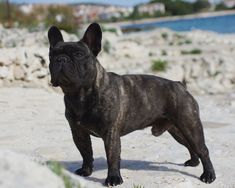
x,y
108,105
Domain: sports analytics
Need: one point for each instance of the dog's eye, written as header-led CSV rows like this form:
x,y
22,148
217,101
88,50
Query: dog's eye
x,y
78,54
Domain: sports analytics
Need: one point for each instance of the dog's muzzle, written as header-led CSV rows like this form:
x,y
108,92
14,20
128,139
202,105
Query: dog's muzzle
x,y
55,68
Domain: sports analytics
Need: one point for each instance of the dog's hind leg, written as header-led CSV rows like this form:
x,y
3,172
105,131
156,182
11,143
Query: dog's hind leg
x,y
179,137
163,125
189,124
193,132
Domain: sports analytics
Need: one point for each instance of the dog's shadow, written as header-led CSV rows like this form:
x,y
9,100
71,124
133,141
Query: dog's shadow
x,y
101,164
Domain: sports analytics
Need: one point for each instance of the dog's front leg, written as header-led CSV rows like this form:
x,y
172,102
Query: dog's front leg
x,y
113,150
83,142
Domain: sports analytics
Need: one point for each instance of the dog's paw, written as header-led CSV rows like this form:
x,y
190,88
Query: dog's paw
x,y
208,177
192,162
113,180
87,171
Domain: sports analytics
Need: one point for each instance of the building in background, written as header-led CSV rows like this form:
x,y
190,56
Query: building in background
x,y
26,8
151,8
86,12
229,3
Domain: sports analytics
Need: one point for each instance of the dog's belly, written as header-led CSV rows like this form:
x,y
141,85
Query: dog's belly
x,y
130,129
93,133
138,123
94,129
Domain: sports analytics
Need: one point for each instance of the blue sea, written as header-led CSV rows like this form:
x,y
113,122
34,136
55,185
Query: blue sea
x,y
219,24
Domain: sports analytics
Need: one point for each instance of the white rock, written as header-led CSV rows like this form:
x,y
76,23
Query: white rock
x,y
19,72
5,57
19,171
4,72
42,73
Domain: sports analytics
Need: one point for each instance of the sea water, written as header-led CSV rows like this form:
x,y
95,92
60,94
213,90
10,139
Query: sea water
x,y
219,24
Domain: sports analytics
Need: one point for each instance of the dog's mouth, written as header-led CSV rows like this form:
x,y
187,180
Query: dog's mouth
x,y
62,81
67,77
54,83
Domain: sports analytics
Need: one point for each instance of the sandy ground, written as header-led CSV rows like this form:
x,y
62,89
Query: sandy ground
x,y
32,122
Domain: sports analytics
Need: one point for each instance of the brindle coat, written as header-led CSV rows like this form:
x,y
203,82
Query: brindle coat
x,y
107,105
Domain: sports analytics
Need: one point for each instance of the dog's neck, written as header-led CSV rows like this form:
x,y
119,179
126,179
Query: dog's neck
x,y
101,77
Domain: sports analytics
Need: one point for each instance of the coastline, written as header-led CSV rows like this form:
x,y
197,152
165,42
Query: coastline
x,y
171,18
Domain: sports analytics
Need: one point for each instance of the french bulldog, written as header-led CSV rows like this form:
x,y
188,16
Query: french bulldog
x,y
108,105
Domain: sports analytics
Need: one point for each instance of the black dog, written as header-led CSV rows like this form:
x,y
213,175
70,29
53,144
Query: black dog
x,y
108,105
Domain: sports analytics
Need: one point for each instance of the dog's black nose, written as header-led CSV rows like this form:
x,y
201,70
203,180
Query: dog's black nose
x,y
61,59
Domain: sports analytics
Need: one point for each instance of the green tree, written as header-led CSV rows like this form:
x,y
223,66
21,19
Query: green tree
x,y
5,15
201,5
61,16
176,7
222,6
10,14
135,14
2,12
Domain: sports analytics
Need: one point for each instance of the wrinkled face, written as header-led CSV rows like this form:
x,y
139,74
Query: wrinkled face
x,y
73,64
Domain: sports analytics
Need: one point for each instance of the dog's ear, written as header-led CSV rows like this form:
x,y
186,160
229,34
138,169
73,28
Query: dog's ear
x,y
93,37
54,36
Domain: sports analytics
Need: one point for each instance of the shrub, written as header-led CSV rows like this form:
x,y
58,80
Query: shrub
x,y
194,52
127,56
178,36
150,54
159,65
164,35
164,52
187,41
180,43
111,30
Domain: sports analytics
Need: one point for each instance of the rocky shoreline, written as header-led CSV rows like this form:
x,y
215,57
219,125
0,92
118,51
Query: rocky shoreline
x,y
205,60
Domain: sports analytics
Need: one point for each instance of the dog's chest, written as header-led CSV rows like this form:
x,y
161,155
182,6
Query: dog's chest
x,y
86,115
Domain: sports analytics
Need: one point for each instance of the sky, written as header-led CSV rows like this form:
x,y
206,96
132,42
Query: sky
x,y
115,2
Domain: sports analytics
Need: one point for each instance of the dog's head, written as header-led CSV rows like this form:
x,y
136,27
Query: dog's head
x,y
72,64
